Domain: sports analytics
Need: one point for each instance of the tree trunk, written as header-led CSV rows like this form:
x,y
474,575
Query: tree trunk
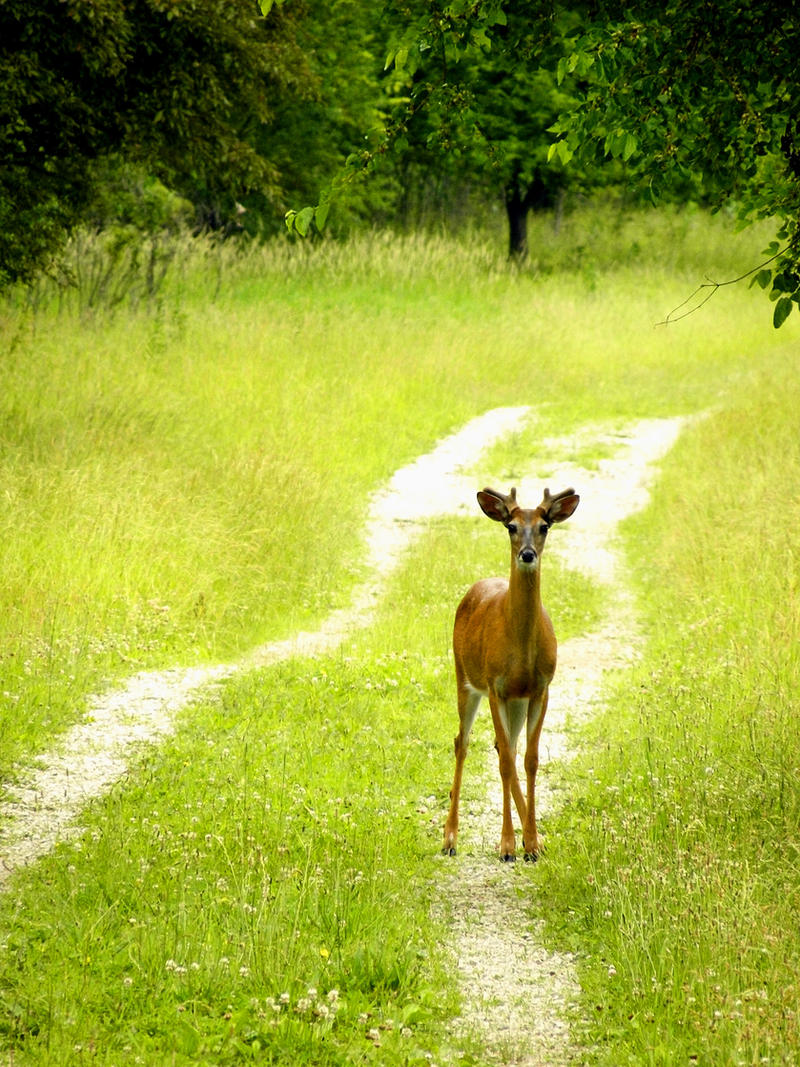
x,y
537,196
517,211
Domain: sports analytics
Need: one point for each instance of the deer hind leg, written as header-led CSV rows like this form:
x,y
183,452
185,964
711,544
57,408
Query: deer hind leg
x,y
468,701
530,838
508,718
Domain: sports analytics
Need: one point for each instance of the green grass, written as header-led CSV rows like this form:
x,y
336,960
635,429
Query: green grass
x,y
682,869
286,840
185,480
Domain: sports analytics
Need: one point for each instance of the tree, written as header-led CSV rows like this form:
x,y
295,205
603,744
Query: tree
x,y
702,91
684,93
481,118
310,137
178,87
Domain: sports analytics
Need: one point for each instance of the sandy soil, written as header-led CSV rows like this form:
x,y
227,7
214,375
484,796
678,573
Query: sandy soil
x,y
515,993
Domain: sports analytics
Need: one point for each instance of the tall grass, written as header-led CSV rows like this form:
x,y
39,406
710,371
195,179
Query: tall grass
x,y
683,874
173,476
184,480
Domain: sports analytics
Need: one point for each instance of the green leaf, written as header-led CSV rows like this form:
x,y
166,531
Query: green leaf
x,y
321,214
303,220
630,146
561,150
781,313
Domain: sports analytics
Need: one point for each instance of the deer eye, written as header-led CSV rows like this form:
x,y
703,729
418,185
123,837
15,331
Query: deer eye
x,y
512,528
543,529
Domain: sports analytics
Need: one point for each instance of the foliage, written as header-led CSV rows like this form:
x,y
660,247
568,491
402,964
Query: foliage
x,y
340,107
705,93
487,133
177,87
691,99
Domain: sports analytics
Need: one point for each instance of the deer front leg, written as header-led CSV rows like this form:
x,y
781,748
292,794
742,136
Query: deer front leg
x,y
468,701
530,838
506,754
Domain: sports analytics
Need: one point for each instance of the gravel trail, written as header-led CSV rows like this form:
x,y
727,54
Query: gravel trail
x,y
515,993
96,752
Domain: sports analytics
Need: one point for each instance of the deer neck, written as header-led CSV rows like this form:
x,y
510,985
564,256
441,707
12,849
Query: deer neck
x,y
523,603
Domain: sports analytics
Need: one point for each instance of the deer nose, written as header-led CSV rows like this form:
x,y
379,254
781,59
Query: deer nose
x,y
527,555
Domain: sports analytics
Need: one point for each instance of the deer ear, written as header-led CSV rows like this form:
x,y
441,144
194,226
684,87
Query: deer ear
x,y
493,505
562,506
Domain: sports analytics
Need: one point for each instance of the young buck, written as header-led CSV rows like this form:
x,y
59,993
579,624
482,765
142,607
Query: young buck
x,y
505,648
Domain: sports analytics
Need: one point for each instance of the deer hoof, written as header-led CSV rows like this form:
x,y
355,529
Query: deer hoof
x,y
449,850
508,857
531,857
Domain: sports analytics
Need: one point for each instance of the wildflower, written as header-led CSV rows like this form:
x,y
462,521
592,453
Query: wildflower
x,y
374,1036
284,998
333,996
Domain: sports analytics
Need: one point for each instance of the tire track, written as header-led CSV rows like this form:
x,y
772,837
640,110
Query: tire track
x,y
45,807
517,996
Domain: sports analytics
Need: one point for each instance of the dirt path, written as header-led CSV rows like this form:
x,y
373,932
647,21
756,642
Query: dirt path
x,y
515,993
96,752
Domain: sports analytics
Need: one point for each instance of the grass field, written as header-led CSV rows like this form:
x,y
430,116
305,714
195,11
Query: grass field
x,y
186,479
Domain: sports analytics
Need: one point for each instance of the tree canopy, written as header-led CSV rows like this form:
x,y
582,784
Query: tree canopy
x,y
192,90
693,98
267,102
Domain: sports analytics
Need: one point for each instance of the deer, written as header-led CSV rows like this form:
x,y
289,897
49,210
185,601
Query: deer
x,y
504,647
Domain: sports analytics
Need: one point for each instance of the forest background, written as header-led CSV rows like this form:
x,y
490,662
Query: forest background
x,y
231,117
